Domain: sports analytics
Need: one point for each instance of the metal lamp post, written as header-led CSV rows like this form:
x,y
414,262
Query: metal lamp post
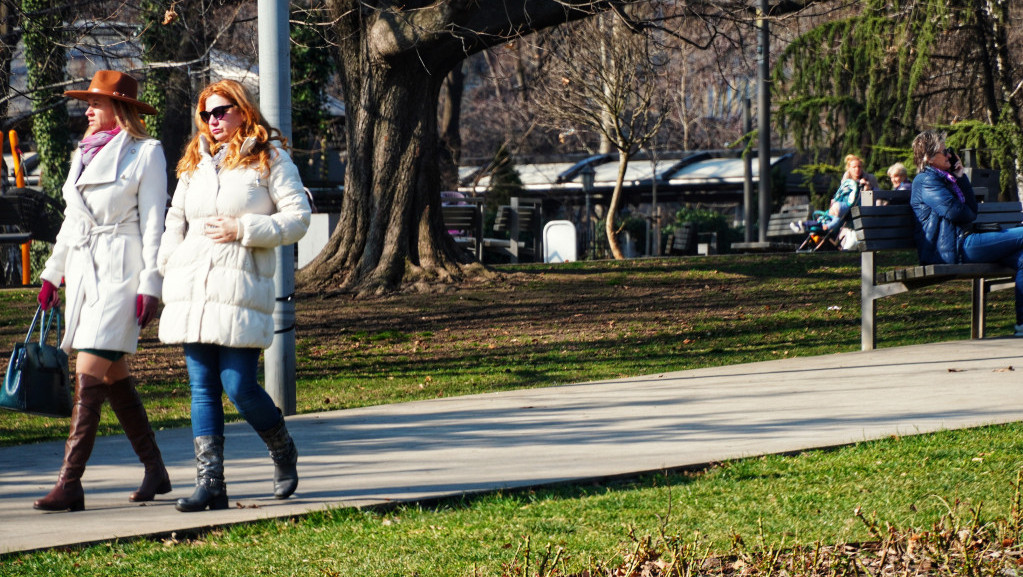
x,y
587,175
764,117
275,103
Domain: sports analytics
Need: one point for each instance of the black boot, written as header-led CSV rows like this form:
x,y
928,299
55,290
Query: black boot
x,y
67,494
285,456
210,490
127,405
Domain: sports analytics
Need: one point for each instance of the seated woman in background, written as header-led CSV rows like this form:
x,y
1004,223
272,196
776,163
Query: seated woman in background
x,y
848,194
899,176
945,207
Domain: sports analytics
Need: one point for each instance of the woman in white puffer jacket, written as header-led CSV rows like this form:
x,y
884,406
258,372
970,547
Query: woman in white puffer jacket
x,y
239,196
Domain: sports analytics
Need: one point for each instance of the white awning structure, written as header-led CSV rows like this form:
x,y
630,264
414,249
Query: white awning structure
x,y
715,173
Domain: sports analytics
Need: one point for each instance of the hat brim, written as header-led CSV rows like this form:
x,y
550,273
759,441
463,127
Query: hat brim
x,y
86,95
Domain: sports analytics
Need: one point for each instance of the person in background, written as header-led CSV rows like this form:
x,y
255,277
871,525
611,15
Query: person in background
x,y
945,207
899,176
848,194
239,197
116,195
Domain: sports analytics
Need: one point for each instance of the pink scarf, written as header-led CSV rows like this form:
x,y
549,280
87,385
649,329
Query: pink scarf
x,y
952,180
92,144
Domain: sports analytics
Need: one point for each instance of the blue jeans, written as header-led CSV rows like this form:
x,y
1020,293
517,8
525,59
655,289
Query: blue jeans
x,y
213,369
1005,248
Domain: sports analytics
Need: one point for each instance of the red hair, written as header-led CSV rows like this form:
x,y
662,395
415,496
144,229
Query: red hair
x,y
253,124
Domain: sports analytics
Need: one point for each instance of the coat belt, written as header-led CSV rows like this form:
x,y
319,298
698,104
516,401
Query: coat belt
x,y
81,253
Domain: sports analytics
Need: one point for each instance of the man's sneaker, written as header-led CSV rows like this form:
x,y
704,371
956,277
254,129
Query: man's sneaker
x,y
1019,331
797,226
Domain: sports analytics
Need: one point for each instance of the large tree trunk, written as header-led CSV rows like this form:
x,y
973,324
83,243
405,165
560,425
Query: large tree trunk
x,y
390,230
393,57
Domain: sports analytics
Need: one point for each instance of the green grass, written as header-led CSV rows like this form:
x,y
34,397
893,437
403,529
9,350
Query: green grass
x,y
768,501
546,325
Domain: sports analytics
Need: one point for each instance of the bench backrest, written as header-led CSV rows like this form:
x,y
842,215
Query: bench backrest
x,y
684,240
529,217
467,219
890,227
778,224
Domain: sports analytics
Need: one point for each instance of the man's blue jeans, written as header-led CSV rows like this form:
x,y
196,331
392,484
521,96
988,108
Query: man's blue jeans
x,y
212,370
1006,248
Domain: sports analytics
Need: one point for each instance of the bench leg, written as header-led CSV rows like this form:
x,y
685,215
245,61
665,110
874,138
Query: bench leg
x,y
978,302
868,310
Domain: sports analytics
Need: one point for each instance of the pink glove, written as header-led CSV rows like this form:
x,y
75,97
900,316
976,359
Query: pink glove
x,y
145,309
48,296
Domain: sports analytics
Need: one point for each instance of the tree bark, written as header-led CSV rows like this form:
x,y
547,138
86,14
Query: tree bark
x,y
8,42
999,32
610,226
450,128
390,213
393,57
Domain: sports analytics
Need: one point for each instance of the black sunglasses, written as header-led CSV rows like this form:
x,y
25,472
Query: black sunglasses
x,y
217,113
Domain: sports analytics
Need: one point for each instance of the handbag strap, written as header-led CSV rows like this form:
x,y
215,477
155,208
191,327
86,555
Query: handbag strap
x,y
54,312
32,327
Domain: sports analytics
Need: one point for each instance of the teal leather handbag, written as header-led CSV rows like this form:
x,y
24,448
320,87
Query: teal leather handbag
x,y
37,379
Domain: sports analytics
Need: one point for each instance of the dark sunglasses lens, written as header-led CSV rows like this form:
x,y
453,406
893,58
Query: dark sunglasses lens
x,y
217,113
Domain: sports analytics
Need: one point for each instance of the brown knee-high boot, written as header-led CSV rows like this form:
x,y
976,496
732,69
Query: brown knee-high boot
x,y
68,493
127,405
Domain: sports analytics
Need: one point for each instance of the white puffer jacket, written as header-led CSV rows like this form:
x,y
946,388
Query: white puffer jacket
x,y
223,293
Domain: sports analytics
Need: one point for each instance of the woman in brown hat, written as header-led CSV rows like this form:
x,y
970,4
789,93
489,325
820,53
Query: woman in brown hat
x,y
116,196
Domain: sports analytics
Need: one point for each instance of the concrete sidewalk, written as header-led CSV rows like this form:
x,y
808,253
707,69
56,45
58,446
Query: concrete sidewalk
x,y
477,443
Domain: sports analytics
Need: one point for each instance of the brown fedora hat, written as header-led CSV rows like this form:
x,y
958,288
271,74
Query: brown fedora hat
x,y
116,85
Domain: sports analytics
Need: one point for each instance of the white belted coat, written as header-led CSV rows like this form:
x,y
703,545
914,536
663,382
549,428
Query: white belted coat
x,y
223,293
107,246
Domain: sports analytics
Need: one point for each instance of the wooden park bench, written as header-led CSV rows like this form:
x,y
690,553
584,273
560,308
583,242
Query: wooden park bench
x,y
521,217
779,237
889,228
778,229
683,241
465,223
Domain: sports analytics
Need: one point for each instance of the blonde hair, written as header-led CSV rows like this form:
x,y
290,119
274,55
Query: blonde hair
x,y
252,125
127,118
849,158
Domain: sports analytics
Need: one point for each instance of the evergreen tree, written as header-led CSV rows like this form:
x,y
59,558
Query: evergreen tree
x,y
869,82
504,181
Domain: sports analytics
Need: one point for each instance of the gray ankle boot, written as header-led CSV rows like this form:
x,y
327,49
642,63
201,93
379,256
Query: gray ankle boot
x,y
285,456
210,489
